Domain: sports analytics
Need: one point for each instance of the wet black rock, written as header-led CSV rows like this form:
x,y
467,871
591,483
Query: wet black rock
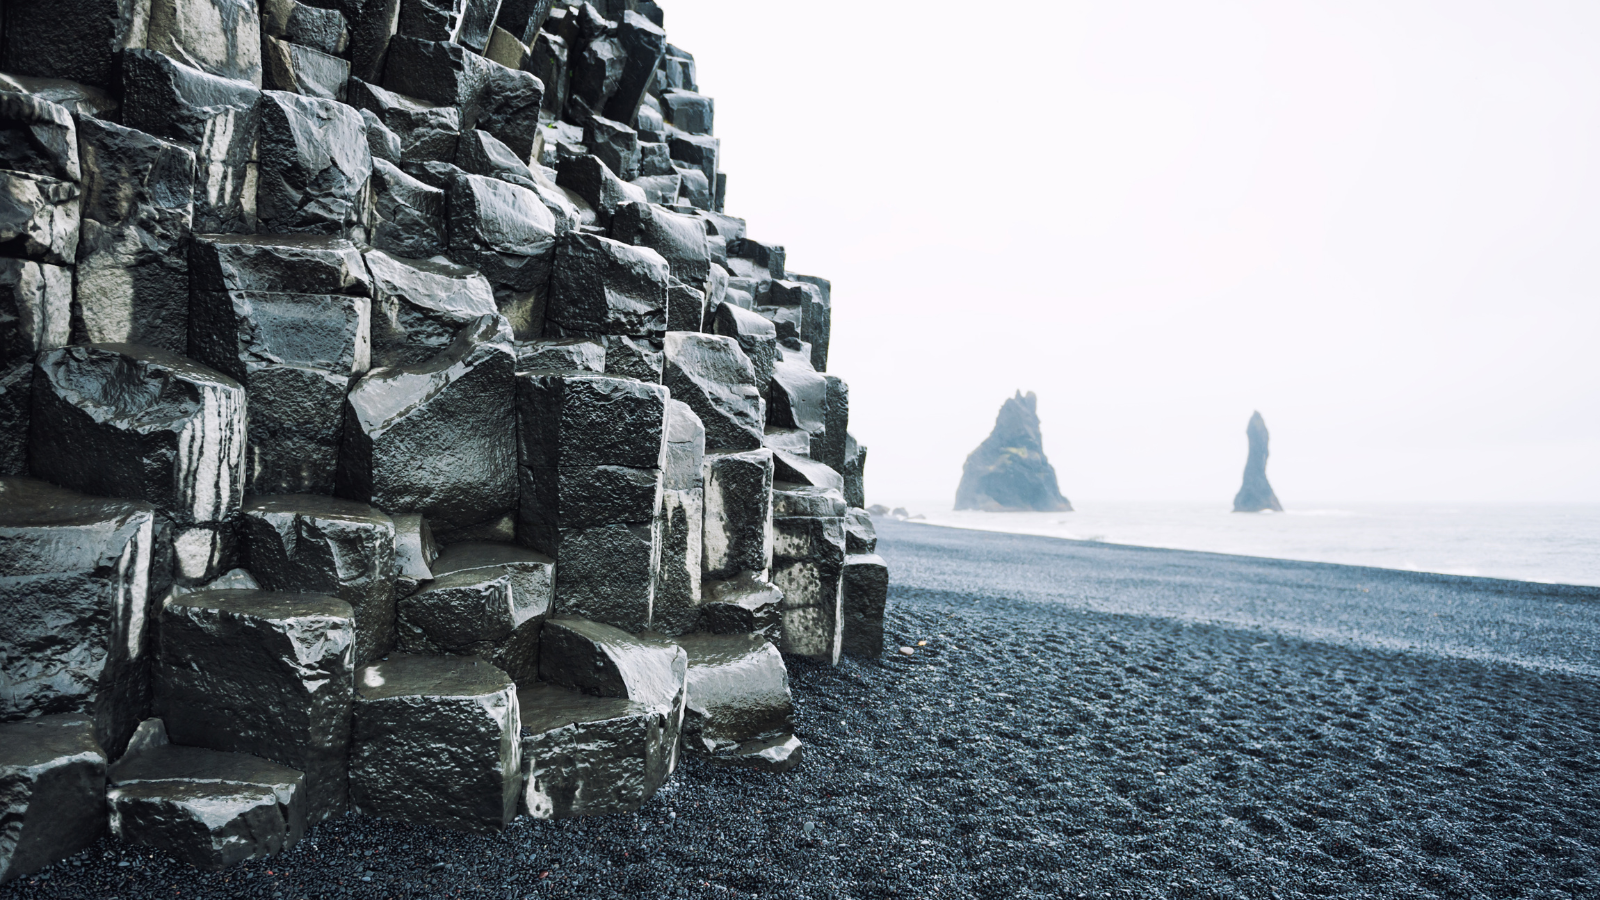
x,y
808,566
796,469
372,24
127,421
505,232
615,144
382,140
638,358
35,309
738,513
298,69
296,355
427,131
132,277
715,378
603,661
414,552
596,72
419,306
854,472
217,118
431,20
408,215
547,59
39,217
757,337
602,286
589,179
508,107
52,792
278,263
817,319
487,600
798,398
80,40
221,37
309,543
686,306
744,604
588,756
435,740
864,597
37,136
439,72
738,694
319,29
1009,471
208,808
679,239
1256,495
688,111
676,606
643,44
807,501
265,673
859,534
606,573
556,497
685,448
314,166
700,152
481,153
435,438
571,418
577,354
75,578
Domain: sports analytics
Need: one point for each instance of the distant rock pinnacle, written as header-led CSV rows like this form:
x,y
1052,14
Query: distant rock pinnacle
x,y
1009,472
1256,494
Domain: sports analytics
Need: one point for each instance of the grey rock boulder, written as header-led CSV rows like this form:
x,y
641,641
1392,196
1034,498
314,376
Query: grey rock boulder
x,y
217,118
738,513
132,277
315,164
615,144
1256,494
309,543
220,37
486,600
738,694
408,214
382,140
436,741
592,181
589,756
679,239
298,69
688,111
419,306
75,578
676,606
310,26
633,357
864,597
435,438
576,354
506,233
414,552
714,377
52,792
427,131
208,808
797,398
859,534
604,661
296,354
39,217
602,286
744,604
37,136
808,566
278,263
266,673
127,421
796,469
1009,471
606,573
643,44
758,338
571,418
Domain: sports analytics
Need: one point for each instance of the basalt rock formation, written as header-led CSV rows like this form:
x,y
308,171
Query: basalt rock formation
x,y
393,421
1256,495
1009,471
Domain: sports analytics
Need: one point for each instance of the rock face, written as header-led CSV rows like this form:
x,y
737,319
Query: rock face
x,y
1009,472
392,420
1256,495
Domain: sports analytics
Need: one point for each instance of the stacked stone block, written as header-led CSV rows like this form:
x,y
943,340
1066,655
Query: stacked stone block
x,y
385,376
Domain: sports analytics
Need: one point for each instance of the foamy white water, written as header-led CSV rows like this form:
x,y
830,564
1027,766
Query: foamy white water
x,y
1556,543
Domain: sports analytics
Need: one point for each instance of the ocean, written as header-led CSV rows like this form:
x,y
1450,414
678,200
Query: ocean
x,y
1552,543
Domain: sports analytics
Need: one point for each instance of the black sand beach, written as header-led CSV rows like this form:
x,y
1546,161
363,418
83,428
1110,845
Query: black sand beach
x,y
1084,721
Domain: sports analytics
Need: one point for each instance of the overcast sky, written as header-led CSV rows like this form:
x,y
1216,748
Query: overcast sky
x,y
1376,222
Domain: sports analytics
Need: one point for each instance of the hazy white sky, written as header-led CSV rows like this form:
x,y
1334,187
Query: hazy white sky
x,y
1375,222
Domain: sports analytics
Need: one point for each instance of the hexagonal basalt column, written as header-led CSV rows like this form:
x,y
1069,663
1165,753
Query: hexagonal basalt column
x,y
436,742
52,792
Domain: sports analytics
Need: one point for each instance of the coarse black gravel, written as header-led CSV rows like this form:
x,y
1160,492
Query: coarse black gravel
x,y
1042,747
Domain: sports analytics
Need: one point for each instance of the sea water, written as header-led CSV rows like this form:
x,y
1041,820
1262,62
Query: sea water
x,y
1554,543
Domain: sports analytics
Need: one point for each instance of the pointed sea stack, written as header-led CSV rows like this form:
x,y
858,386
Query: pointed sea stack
x,y
1256,494
1009,472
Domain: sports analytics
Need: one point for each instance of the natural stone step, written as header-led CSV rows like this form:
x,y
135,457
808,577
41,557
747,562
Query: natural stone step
x,y
52,792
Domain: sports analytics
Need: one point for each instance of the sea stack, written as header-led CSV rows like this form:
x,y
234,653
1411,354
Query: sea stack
x,y
1009,472
1256,494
